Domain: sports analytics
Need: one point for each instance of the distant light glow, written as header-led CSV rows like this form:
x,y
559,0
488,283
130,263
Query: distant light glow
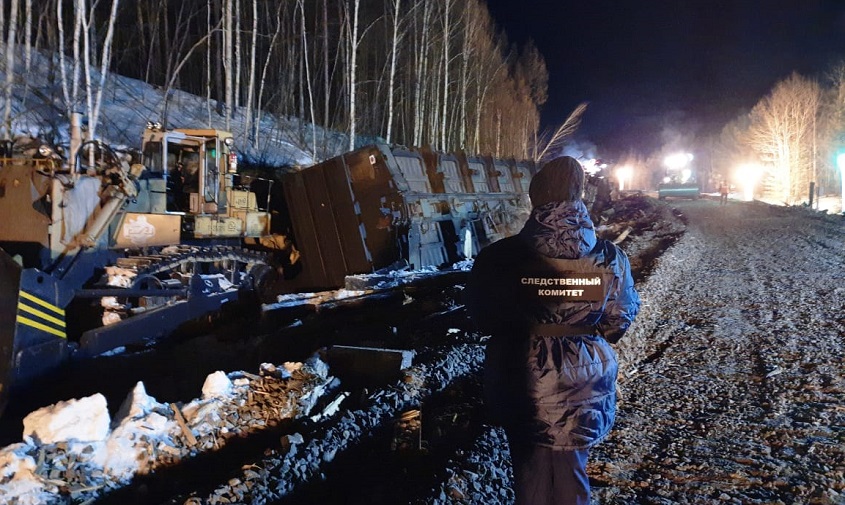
x,y
677,161
686,175
624,174
748,175
590,166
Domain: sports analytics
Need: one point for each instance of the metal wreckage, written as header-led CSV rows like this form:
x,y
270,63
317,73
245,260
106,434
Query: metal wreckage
x,y
108,249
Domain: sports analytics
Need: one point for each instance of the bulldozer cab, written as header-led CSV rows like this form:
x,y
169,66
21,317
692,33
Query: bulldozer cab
x,y
196,165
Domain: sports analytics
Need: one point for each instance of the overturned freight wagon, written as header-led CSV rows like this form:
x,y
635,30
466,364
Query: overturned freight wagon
x,y
378,208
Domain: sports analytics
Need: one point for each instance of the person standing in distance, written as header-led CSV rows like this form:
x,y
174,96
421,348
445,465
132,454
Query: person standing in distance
x,y
552,298
724,189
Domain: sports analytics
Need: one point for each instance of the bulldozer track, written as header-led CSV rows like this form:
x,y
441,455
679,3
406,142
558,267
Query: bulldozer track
x,y
173,258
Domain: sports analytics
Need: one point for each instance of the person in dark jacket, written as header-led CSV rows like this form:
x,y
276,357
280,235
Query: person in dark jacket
x,y
552,298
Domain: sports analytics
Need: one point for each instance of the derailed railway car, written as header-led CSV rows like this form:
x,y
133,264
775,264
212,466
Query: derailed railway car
x,y
379,208
107,253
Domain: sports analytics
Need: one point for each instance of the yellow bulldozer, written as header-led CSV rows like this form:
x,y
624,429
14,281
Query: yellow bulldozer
x,y
102,250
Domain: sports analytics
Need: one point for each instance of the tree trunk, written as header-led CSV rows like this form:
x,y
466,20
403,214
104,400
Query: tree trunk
x,y
10,69
227,59
308,82
353,68
327,83
447,36
394,53
421,76
237,89
208,81
28,37
252,70
105,60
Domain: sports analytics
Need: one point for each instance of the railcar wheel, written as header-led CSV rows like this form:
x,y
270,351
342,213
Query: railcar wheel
x,y
265,281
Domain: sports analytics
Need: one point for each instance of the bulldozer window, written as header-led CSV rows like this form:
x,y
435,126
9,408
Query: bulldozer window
x,y
152,158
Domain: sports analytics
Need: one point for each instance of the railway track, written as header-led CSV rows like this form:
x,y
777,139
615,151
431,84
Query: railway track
x,y
362,449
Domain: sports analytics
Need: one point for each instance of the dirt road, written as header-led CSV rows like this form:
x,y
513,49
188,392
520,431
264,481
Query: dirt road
x,y
733,383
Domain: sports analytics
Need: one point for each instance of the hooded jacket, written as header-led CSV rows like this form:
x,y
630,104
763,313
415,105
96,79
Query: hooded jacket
x,y
551,298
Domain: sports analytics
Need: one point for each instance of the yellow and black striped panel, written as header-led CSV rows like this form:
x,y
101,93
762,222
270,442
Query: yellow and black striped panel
x,y
41,315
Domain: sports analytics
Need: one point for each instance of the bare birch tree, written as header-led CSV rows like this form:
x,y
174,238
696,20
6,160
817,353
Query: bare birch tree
x,y
327,93
353,69
468,53
28,36
237,51
252,69
227,60
95,92
208,84
10,69
70,90
305,55
395,6
447,39
420,80
442,74
781,133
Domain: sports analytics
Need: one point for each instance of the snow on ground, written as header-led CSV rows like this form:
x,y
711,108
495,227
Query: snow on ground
x,y
74,449
128,104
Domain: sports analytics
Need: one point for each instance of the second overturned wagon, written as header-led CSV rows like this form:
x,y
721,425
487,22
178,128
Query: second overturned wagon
x,y
380,208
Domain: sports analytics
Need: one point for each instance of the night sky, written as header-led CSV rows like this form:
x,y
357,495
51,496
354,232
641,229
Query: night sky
x,y
649,68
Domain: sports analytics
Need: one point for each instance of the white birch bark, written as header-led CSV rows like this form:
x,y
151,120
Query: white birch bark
x,y
28,37
433,121
252,69
2,22
327,90
10,69
70,90
352,74
481,103
79,17
308,81
238,67
467,54
394,54
421,75
61,57
447,38
208,62
87,28
227,59
105,60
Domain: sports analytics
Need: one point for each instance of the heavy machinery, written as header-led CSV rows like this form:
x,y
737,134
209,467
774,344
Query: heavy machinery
x,y
680,180
100,251
97,252
675,189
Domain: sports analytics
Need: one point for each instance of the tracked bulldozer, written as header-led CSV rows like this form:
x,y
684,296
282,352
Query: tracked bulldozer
x,y
100,251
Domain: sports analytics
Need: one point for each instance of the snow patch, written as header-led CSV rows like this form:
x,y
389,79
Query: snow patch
x,y
85,419
217,385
